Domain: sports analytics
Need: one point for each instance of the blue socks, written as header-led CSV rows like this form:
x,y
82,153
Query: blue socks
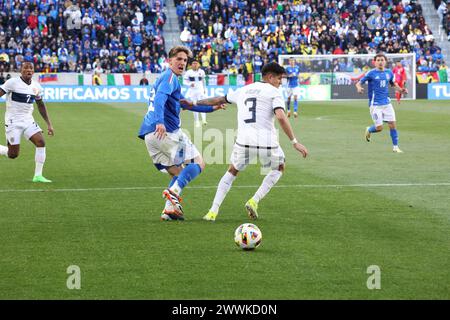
x,y
295,105
394,136
188,174
372,129
174,178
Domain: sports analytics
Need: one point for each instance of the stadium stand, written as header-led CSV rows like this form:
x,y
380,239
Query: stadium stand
x,y
78,36
224,34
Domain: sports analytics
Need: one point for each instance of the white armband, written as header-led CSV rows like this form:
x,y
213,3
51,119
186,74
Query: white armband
x,y
294,141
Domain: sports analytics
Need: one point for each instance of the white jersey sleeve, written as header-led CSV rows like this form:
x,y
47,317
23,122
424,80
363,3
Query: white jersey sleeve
x,y
8,85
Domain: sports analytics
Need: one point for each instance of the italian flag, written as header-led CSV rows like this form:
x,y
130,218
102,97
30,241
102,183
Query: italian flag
x,y
85,79
119,79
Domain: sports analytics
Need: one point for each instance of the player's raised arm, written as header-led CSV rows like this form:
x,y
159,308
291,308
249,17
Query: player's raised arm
x,y
286,126
43,111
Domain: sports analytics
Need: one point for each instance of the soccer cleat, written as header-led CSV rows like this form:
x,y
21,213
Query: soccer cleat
x,y
204,123
289,114
41,179
170,214
367,134
175,200
252,207
396,149
210,216
295,114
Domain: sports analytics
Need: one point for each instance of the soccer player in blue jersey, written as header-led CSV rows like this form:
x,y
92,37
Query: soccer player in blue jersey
x,y
381,109
293,73
170,149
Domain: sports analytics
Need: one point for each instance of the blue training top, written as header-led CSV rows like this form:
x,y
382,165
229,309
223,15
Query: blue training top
x,y
292,76
378,83
163,105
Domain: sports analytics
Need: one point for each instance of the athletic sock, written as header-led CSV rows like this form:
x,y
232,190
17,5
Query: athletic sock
x,y
39,158
222,190
188,174
372,129
394,137
269,181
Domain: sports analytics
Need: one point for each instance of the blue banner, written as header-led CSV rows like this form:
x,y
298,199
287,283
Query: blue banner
x,y
439,91
128,94
140,94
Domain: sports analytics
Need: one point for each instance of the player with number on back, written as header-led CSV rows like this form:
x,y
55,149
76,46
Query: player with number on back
x,y
21,93
381,109
170,149
258,105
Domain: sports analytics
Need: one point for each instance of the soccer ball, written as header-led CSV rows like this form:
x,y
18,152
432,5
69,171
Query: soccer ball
x,y
248,236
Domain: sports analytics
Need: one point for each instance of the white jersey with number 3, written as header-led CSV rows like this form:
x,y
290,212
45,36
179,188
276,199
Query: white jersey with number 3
x,y
256,105
20,97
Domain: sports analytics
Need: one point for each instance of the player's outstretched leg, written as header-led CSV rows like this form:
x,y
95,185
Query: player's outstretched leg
x,y
172,212
222,190
186,175
269,181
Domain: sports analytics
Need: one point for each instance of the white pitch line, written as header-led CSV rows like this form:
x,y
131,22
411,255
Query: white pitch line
x,y
306,186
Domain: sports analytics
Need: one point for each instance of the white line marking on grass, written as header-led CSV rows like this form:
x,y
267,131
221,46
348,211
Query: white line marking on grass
x,y
306,186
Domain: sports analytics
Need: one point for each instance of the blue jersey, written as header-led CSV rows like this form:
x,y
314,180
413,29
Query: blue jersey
x,y
292,75
164,104
378,82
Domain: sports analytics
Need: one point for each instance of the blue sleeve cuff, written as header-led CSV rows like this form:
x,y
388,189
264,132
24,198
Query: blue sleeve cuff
x,y
200,108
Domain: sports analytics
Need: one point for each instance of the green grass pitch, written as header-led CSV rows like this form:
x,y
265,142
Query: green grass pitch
x,y
349,205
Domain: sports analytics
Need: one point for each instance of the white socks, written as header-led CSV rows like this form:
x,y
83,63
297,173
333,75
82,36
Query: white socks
x,y
39,158
222,190
203,116
269,181
3,151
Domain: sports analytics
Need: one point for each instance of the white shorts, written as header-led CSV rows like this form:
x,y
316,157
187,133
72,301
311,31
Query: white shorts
x,y
293,91
195,94
382,113
242,156
16,128
173,150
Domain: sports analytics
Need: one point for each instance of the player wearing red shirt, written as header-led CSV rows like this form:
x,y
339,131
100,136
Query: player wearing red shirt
x,y
400,78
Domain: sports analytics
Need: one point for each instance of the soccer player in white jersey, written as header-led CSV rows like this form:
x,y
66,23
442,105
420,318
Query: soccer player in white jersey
x,y
194,78
258,105
20,93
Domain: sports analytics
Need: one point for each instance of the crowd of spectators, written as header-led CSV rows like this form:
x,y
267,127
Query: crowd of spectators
x,y
245,34
82,36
